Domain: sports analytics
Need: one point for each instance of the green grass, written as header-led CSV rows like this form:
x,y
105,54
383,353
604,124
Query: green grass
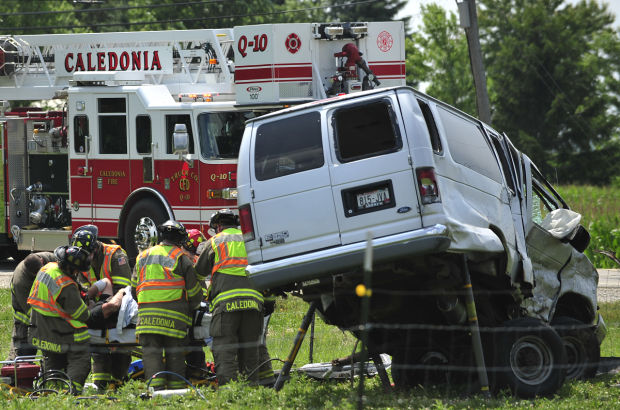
x,y
301,392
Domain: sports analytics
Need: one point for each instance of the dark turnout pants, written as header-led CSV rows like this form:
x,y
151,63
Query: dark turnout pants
x,y
19,342
236,339
75,363
163,353
110,367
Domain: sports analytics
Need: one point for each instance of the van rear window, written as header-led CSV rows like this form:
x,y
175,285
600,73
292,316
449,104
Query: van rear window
x,y
365,131
288,146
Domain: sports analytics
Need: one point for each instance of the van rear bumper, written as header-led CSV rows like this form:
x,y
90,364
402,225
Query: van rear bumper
x,y
314,265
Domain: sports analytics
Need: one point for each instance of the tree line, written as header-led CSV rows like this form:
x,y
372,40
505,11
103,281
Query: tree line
x,y
552,66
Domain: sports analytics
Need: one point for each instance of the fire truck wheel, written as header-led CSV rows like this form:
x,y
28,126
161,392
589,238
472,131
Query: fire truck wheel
x,y
144,214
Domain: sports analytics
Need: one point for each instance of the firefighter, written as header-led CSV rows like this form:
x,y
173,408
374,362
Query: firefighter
x,y
59,316
237,307
193,244
107,262
195,357
23,277
167,292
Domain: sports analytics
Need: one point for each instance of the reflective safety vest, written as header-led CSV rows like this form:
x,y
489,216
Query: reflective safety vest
x,y
231,257
47,286
157,281
106,267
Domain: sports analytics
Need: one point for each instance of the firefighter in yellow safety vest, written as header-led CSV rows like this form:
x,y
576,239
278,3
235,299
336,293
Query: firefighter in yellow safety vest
x,y
236,305
109,262
21,283
168,291
59,316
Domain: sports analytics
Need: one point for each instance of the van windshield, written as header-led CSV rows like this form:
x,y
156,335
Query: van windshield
x,y
220,133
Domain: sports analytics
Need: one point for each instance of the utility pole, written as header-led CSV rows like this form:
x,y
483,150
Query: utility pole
x,y
469,21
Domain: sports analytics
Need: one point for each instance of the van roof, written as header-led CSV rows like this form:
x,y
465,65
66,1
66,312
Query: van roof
x,y
327,101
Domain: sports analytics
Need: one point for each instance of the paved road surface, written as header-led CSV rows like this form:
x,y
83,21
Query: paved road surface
x,y
608,290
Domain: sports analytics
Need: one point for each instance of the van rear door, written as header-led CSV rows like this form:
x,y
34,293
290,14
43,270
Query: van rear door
x,y
293,205
373,181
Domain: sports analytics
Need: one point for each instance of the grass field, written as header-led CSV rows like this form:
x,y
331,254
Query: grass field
x,y
600,209
301,392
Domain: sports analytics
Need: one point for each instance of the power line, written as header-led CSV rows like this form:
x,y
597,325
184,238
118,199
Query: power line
x,y
194,19
96,10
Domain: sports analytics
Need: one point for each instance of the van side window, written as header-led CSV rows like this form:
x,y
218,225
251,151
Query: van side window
x,y
432,127
542,202
80,132
288,146
143,134
504,161
364,131
468,146
112,125
544,197
173,119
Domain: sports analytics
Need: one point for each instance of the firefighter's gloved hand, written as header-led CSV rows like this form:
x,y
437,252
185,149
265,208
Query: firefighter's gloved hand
x,y
268,307
96,319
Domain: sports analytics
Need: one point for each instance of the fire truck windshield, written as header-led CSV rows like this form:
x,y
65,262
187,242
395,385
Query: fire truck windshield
x,y
220,133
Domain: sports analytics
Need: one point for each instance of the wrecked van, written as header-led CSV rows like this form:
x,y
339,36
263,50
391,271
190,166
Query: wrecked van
x,y
440,193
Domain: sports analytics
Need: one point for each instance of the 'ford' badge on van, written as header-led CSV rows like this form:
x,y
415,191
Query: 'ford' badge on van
x,y
404,209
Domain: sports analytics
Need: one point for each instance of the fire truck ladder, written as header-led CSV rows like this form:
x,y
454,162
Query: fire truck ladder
x,y
30,66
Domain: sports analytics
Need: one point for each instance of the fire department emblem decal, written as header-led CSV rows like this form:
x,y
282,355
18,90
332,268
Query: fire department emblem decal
x,y
385,41
184,180
293,43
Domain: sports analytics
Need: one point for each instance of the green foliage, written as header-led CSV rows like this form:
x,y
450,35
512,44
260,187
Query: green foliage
x,y
437,54
600,210
16,17
366,10
552,68
62,16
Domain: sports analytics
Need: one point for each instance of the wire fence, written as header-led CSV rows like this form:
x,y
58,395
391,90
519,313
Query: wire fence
x,y
429,366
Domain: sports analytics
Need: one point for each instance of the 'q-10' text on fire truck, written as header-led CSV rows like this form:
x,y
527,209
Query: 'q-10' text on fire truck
x,y
111,156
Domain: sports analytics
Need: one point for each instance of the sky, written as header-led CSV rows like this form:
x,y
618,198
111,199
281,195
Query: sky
x,y
413,9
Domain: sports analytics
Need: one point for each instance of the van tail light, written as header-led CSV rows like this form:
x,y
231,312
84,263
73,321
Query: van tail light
x,y
247,225
427,182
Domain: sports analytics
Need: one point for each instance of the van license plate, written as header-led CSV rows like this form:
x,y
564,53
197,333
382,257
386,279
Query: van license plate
x,y
372,199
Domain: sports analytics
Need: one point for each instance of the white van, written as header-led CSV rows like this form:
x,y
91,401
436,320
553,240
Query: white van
x,y
431,185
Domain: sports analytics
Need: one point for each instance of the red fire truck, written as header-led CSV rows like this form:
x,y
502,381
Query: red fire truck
x,y
111,157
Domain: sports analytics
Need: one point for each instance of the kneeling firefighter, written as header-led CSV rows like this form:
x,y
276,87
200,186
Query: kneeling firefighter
x,y
237,307
59,316
106,262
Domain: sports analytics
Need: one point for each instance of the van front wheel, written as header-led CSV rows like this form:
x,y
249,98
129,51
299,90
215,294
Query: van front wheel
x,y
583,351
529,358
